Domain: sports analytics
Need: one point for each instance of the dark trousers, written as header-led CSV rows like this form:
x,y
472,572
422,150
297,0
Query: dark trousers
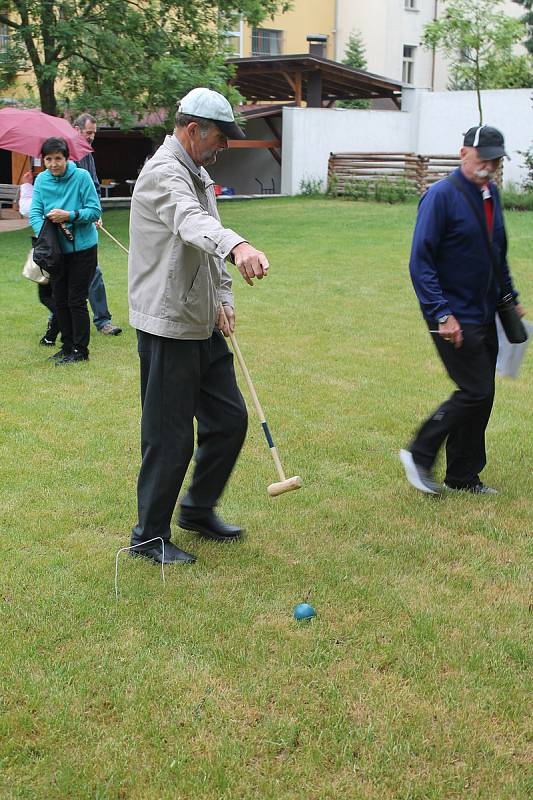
x,y
182,380
70,289
97,301
462,419
47,299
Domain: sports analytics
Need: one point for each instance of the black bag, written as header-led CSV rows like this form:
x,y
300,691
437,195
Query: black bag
x,y
47,253
514,328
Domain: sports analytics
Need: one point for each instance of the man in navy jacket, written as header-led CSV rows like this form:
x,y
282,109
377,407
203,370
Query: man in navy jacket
x,y
458,293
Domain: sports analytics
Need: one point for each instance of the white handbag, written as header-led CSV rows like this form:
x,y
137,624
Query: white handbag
x,y
33,272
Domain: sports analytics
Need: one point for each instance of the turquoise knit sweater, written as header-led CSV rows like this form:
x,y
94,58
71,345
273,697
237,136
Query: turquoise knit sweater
x,y
73,191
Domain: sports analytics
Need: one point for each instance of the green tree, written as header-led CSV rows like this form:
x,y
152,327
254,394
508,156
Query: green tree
x,y
527,19
355,56
478,38
121,56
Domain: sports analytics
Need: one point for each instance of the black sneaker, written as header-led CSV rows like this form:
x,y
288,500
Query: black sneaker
x,y
475,488
73,358
60,355
46,342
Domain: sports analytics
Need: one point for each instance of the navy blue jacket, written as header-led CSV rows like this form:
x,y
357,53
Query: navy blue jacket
x,y
87,162
450,264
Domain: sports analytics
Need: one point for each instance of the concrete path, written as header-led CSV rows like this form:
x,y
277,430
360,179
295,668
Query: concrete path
x,y
13,224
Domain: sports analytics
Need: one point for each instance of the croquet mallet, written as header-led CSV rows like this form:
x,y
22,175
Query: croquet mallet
x,y
284,484
115,240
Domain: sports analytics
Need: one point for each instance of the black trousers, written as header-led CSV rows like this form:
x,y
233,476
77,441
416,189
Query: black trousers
x,y
182,380
70,289
462,419
47,299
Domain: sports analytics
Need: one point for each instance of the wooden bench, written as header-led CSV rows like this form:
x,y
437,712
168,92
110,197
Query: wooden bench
x,y
9,193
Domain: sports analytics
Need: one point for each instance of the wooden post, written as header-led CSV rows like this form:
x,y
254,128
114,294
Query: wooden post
x,y
298,91
20,163
296,85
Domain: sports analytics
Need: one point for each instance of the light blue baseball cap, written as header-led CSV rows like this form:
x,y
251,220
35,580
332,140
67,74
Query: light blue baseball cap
x,y
206,103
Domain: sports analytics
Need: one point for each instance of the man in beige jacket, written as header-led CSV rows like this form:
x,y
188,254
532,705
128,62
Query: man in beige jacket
x,y
181,304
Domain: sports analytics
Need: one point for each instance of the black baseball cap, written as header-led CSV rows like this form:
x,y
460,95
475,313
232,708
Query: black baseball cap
x,y
488,142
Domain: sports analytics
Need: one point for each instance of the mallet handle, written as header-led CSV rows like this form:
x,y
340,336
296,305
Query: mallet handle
x,y
257,405
115,240
247,377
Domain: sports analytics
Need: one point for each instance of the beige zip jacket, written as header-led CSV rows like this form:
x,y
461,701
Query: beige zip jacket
x,y
176,268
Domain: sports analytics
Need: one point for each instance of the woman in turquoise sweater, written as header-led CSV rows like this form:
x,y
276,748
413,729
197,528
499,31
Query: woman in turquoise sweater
x,y
66,195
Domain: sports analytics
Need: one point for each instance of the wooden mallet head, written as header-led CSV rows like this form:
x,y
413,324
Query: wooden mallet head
x,y
287,485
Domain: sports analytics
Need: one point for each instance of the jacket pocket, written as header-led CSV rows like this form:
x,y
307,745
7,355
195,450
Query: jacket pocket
x,y
189,303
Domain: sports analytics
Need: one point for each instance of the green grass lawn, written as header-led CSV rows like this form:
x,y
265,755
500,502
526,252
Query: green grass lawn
x,y
414,680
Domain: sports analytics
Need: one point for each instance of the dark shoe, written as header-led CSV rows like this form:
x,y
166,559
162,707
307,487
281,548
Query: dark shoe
x,y
60,355
73,358
475,488
206,523
173,554
46,342
418,476
110,330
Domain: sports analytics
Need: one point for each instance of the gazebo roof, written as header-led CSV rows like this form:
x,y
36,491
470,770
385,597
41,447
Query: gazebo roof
x,y
316,80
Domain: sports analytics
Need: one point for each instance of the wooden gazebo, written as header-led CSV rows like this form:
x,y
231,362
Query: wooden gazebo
x,y
307,78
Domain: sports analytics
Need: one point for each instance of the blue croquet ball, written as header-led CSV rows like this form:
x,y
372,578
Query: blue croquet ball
x,y
304,611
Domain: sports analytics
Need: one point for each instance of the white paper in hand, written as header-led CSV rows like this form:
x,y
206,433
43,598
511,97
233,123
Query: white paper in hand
x,y
510,356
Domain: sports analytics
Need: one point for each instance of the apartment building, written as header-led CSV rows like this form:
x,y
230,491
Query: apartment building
x,y
286,34
391,31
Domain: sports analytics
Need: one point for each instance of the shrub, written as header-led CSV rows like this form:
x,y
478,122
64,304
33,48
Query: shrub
x,y
527,183
513,198
310,186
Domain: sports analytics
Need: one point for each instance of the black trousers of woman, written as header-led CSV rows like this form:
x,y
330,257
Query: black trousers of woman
x,y
46,297
71,289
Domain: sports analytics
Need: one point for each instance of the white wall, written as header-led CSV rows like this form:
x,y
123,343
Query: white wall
x,y
444,117
430,123
311,134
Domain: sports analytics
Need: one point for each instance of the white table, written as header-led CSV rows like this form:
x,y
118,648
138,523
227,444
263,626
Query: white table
x,y
105,188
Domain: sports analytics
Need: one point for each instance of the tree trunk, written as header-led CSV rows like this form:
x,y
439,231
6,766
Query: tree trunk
x,y
47,94
478,91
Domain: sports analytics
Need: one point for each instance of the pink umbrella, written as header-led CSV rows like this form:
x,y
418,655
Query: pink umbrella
x,y
24,131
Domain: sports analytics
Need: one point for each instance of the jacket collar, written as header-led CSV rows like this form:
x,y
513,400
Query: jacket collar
x,y
203,179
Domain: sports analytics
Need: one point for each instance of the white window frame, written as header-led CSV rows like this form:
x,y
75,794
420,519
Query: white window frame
x,y
408,64
4,37
410,5
236,36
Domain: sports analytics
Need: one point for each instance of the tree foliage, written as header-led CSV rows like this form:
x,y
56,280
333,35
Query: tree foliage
x,y
123,57
478,39
355,56
527,19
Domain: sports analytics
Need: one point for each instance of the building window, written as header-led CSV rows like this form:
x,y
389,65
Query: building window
x,y
408,64
410,5
4,37
266,42
234,43
232,25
